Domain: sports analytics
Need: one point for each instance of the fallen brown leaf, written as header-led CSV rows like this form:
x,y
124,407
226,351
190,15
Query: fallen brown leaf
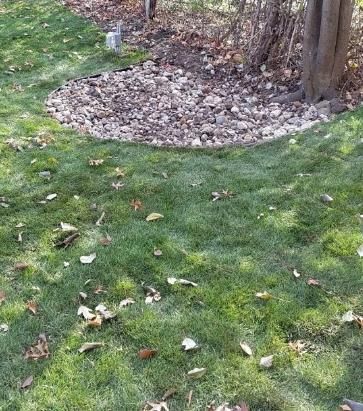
x,y
154,217
136,204
264,296
68,240
245,348
99,290
32,306
298,346
147,353
126,302
38,350
152,295
86,312
266,362
117,186
100,220
27,382
158,253
95,322
156,406
119,172
104,312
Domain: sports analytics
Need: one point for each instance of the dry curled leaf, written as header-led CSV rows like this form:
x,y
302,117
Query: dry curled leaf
x,y
126,302
32,306
136,204
87,259
172,281
154,217
266,362
82,295
27,382
245,348
220,195
90,346
360,251
99,290
264,296
197,372
96,163
38,350
147,353
86,312
188,344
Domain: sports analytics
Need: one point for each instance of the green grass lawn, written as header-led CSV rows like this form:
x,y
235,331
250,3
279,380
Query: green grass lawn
x,y
223,246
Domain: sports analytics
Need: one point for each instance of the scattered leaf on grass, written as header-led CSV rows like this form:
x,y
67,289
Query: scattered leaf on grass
x,y
188,344
152,295
266,362
100,220
223,194
325,198
197,372
264,296
96,163
82,295
147,353
20,237
4,328
344,407
20,266
245,348
119,172
117,186
90,346
158,253
51,197
106,240
126,302
65,264
172,281
360,251
87,259
99,290
169,393
298,346
156,406
67,227
20,225
313,281
38,350
32,306
154,217
104,312
86,313
2,296
27,382
296,274
348,317
136,204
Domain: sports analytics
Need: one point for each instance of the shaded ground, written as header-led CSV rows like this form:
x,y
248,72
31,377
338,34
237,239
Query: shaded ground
x,y
221,245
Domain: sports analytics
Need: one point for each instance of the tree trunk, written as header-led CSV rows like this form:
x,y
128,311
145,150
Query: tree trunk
x,y
150,9
326,38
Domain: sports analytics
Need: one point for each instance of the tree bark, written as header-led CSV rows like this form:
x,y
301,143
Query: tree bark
x,y
326,38
150,9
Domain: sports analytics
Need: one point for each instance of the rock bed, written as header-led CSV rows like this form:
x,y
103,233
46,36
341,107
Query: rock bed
x,y
166,107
